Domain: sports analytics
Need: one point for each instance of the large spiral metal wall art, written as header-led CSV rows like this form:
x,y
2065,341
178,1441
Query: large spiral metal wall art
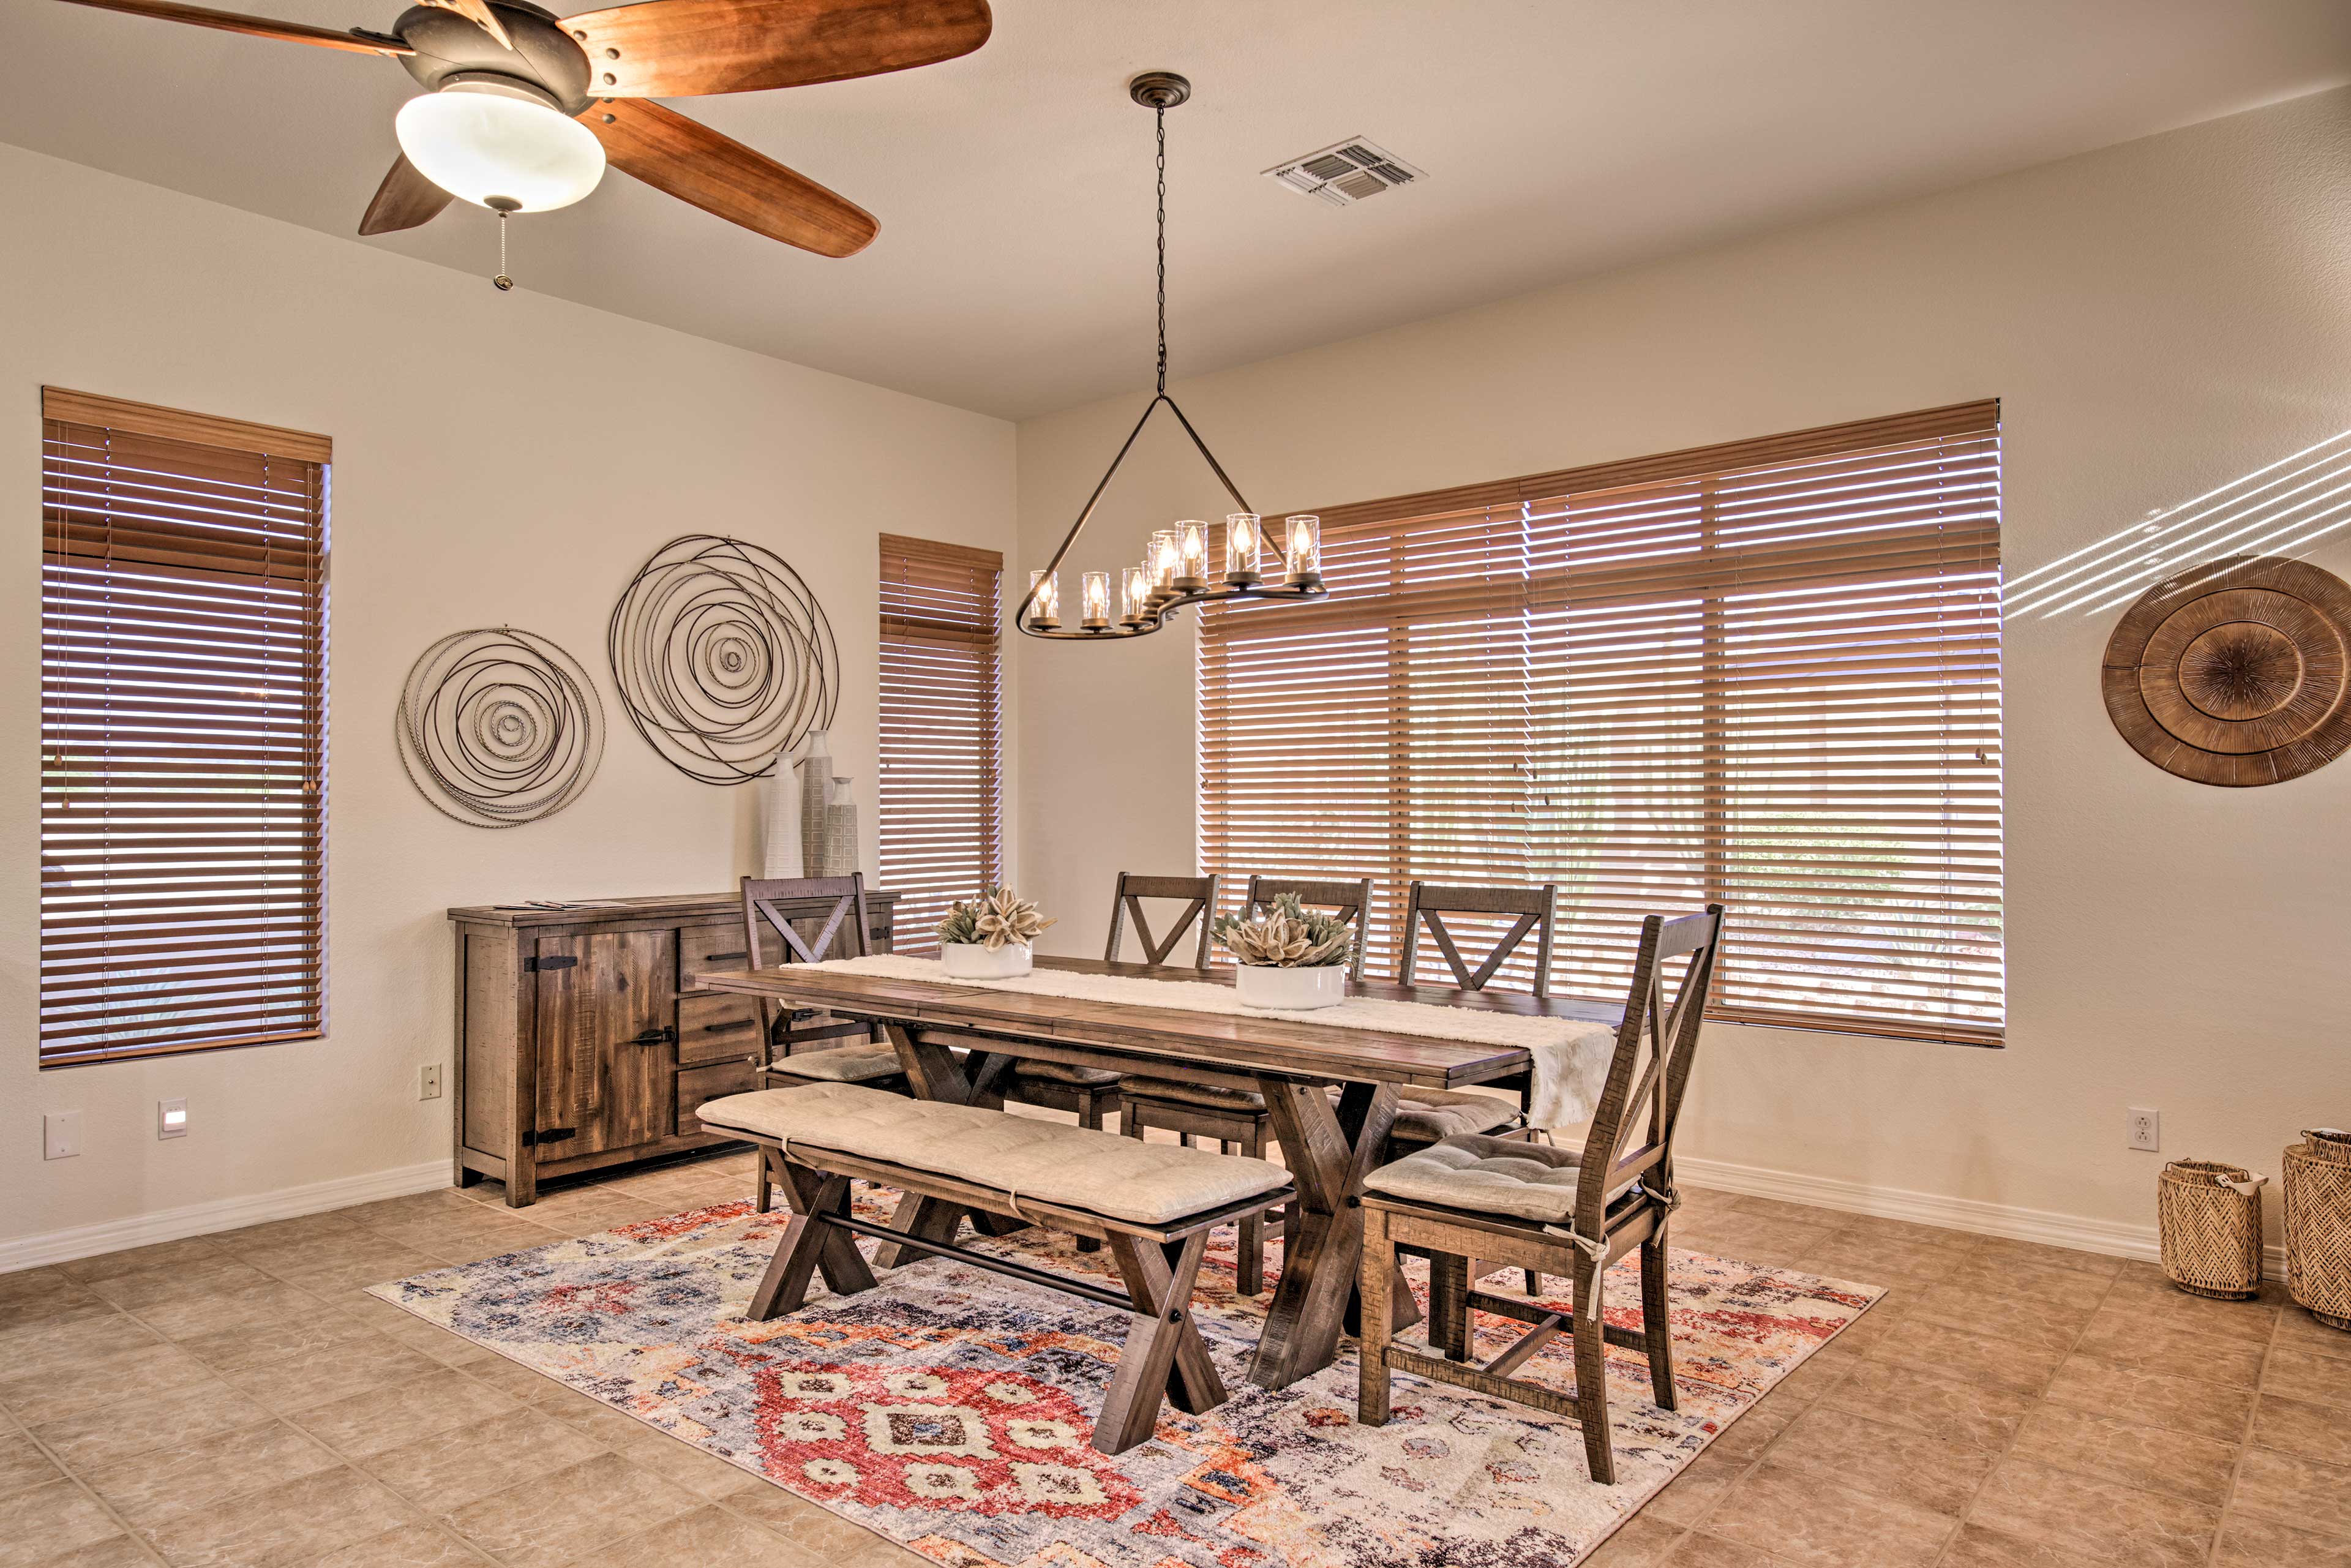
x,y
723,657
498,728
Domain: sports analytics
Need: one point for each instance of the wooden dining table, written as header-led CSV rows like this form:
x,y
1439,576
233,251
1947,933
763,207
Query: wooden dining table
x,y
1329,1142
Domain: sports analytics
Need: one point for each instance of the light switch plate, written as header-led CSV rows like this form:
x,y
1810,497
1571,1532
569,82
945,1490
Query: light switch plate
x,y
170,1118
60,1134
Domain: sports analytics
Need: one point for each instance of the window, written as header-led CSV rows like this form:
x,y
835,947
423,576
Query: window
x,y
942,790
1766,675
184,731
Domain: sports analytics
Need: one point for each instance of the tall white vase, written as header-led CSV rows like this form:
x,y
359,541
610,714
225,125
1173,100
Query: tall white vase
x,y
815,769
781,854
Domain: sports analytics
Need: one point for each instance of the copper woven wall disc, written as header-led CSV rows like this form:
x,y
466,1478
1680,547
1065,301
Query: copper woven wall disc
x,y
2237,672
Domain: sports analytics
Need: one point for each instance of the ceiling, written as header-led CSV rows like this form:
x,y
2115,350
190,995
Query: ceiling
x,y
1012,273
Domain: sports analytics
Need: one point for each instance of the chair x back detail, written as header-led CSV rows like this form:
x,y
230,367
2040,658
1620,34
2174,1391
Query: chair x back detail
x,y
1127,902
841,933
1555,1211
1347,900
1429,902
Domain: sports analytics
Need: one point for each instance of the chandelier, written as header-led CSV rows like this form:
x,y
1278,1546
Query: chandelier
x,y
1174,569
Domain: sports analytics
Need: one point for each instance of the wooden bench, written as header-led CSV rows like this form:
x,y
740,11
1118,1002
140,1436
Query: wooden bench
x,y
1152,1205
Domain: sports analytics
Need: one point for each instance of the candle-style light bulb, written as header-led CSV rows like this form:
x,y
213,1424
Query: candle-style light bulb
x,y
1094,597
1045,606
1165,558
1191,546
1302,549
1134,594
1241,531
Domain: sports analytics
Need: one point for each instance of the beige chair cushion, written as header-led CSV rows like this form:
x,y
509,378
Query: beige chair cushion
x,y
1211,1096
1427,1115
1148,1184
1478,1175
846,1064
1062,1072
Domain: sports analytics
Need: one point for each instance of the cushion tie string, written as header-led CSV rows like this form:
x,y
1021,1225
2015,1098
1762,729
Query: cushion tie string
x,y
1595,1250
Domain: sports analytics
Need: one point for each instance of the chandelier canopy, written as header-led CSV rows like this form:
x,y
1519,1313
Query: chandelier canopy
x,y
1174,569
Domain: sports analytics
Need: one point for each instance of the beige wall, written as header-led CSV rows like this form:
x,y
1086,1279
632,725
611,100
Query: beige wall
x,y
2157,318
499,458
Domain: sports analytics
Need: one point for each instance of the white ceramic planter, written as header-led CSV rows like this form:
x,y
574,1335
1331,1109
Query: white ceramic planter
x,y
974,961
1293,990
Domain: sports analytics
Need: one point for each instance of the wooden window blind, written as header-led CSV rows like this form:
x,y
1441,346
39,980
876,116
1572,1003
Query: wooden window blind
x,y
184,738
942,800
1765,673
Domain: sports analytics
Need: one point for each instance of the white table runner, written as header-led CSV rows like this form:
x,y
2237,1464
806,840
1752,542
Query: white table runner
x,y
1571,1056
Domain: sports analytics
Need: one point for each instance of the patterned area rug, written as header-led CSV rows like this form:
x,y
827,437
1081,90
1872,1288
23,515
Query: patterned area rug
x,y
949,1410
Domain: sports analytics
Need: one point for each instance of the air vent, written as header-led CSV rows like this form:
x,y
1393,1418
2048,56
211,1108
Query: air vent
x,y
1346,173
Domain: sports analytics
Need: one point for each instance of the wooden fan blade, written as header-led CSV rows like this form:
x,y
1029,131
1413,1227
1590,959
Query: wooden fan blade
x,y
258,26
478,13
683,48
726,179
404,200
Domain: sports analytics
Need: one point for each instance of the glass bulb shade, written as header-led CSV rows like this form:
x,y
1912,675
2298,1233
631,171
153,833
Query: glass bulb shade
x,y
1094,595
1133,592
1241,531
487,145
1192,542
1302,545
1165,558
1047,603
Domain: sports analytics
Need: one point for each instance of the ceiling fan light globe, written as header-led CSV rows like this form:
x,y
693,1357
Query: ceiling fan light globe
x,y
482,144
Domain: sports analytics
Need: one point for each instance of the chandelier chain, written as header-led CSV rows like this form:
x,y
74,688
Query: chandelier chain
x,y
1159,115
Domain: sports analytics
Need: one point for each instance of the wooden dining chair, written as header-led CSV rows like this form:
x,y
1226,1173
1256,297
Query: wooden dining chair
x,y
1349,901
1200,893
773,937
1555,1211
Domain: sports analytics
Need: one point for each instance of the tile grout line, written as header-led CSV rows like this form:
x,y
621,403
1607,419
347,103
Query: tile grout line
x,y
2245,1443
137,1540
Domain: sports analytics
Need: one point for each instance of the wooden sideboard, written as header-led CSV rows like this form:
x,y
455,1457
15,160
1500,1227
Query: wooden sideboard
x,y
579,1045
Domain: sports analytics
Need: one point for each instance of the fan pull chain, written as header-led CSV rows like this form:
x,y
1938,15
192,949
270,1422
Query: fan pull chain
x,y
499,206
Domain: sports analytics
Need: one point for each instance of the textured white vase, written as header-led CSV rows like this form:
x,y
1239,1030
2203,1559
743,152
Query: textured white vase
x,y
1291,990
974,961
815,771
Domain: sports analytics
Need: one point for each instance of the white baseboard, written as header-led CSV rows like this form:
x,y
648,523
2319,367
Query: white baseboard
x,y
2112,1237
221,1214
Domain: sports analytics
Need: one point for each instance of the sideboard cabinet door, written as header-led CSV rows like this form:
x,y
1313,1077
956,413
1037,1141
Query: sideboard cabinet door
x,y
607,1040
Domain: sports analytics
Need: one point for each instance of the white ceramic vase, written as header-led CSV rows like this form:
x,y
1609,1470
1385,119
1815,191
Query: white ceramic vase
x,y
977,961
1291,990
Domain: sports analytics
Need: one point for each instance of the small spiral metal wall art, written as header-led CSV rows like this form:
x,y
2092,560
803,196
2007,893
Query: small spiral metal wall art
x,y
723,657
498,728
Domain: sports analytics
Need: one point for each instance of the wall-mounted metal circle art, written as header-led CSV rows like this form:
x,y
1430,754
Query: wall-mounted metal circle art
x,y
2237,672
498,728
723,657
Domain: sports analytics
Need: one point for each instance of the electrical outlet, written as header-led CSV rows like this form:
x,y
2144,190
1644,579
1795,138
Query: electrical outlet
x,y
428,1081
60,1134
170,1118
2145,1128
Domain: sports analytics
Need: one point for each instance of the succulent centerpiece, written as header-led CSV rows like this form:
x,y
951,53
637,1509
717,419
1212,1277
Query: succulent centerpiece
x,y
989,937
1291,957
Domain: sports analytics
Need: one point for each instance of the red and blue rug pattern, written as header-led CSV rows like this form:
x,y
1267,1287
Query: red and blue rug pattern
x,y
950,1409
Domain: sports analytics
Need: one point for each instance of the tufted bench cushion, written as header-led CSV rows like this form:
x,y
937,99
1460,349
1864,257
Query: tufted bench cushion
x,y
845,1064
1148,1184
1484,1175
1062,1072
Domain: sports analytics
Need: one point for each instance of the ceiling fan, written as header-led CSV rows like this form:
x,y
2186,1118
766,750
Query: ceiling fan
x,y
523,109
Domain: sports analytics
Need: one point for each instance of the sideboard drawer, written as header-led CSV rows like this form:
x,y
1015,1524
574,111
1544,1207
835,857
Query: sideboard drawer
x,y
697,1086
716,1028
708,950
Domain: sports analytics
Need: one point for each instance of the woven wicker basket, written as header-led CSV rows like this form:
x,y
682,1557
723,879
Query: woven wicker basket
x,y
2318,1226
2211,1219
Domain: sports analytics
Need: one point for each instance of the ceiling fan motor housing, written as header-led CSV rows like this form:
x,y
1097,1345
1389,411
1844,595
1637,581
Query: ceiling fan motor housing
x,y
544,55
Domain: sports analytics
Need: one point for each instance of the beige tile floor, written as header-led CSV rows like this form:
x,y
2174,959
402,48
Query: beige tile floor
x,y
234,1399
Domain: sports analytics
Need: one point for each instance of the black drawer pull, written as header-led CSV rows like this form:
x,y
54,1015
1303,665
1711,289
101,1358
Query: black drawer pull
x,y
723,1028
663,1036
722,957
